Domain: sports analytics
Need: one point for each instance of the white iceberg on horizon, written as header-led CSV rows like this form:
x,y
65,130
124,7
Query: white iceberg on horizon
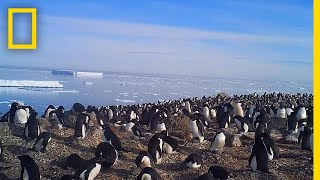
x,y
30,83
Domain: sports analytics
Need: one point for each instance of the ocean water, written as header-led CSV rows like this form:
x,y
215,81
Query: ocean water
x,y
126,89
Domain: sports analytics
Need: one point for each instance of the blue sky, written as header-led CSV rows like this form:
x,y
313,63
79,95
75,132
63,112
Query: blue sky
x,y
263,39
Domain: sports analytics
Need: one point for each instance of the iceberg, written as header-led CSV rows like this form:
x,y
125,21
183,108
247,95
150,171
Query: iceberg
x,y
77,73
30,83
89,74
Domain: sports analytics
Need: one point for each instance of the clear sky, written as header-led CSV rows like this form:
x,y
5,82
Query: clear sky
x,y
261,39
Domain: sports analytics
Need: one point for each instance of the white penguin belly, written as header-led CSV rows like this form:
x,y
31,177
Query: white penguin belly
x,y
128,127
219,142
161,127
94,172
193,165
146,177
253,164
145,162
25,174
167,148
21,117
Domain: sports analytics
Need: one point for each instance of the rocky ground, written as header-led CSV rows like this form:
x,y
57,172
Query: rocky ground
x,y
293,163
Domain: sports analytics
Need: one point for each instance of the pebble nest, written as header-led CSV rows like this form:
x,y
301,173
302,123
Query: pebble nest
x,y
292,163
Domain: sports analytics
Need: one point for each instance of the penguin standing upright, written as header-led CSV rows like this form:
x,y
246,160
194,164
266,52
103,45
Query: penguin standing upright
x,y
302,113
193,161
197,128
47,111
237,108
108,153
32,128
206,112
155,146
304,138
42,142
29,168
112,138
22,114
260,153
11,113
161,126
148,173
55,117
281,113
81,126
78,108
218,143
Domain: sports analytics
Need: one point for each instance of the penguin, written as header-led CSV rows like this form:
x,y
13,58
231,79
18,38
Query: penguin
x,y
32,128
137,132
91,169
75,162
145,121
224,120
302,113
155,147
213,113
219,172
281,112
258,160
42,142
206,112
11,113
1,152
129,125
193,161
81,126
47,111
304,138
292,122
143,160
21,115
288,111
197,128
161,126
78,108
108,153
55,117
218,143
112,138
29,168
242,123
170,144
262,128
70,177
148,173
237,108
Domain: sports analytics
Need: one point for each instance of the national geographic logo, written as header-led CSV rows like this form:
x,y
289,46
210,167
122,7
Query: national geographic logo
x,y
33,44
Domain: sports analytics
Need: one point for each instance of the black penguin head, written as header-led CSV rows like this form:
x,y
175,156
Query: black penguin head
x,y
14,106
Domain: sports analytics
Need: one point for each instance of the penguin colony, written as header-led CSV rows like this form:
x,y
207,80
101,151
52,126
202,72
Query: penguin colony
x,y
251,113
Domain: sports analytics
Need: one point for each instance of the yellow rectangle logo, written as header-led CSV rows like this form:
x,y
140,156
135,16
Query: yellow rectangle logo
x,y
33,12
